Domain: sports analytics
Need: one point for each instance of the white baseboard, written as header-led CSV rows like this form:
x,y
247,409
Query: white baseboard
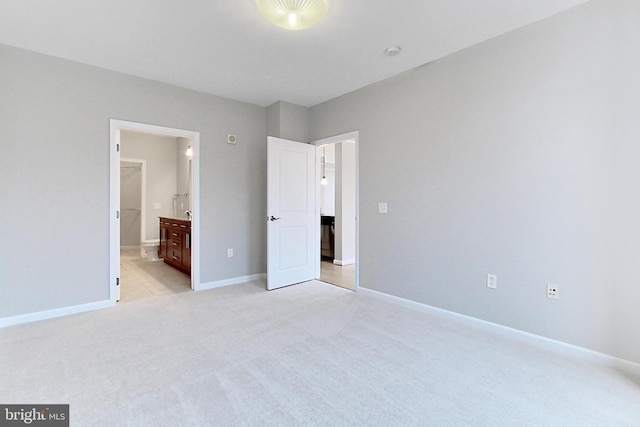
x,y
522,336
57,312
65,311
229,282
344,261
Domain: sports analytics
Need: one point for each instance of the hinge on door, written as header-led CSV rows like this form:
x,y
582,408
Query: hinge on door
x,y
117,214
117,281
118,147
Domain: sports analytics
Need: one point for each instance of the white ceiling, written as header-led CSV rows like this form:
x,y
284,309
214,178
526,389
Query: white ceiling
x,y
226,48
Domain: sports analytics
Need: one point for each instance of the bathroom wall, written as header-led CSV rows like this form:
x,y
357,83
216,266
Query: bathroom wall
x,y
130,203
183,178
160,155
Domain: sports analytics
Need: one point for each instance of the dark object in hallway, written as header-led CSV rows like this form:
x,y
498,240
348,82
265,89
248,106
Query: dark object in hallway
x,y
327,227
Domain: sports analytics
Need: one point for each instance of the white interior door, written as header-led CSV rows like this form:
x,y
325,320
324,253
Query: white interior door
x,y
293,250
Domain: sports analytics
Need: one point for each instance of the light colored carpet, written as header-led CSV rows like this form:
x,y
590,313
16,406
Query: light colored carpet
x,y
311,354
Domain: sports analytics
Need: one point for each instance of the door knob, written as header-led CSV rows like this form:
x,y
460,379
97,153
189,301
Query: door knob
x,y
273,218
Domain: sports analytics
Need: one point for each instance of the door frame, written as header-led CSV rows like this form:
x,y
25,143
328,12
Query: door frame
x,y
115,126
348,136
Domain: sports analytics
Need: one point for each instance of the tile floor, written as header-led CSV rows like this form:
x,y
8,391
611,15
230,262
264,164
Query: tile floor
x,y
140,278
339,275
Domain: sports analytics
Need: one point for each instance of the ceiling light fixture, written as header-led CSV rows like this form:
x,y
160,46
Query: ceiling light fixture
x,y
293,14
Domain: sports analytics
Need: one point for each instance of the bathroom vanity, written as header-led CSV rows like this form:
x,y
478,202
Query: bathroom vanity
x,y
175,243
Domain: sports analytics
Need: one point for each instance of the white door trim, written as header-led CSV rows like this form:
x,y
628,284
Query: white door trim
x,y
353,135
115,126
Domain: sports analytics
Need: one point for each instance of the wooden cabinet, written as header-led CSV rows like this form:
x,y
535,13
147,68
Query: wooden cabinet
x,y
175,243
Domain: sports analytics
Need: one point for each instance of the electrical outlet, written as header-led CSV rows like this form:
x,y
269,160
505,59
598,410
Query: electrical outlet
x,y
552,291
492,281
382,208
229,253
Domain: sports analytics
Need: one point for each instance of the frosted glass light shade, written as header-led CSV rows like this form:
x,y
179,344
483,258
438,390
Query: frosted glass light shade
x,y
293,14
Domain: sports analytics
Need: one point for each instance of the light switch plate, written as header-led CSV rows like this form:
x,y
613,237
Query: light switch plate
x,y
382,208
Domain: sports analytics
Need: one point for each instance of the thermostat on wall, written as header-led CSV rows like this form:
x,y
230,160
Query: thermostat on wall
x,y
231,139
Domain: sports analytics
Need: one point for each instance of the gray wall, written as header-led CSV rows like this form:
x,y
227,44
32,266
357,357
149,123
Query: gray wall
x,y
288,121
345,202
519,157
54,122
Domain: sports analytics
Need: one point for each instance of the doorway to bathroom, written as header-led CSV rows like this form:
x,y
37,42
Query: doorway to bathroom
x,y
142,272
154,174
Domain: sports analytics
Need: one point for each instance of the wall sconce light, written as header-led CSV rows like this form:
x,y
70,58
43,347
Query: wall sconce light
x,y
189,152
